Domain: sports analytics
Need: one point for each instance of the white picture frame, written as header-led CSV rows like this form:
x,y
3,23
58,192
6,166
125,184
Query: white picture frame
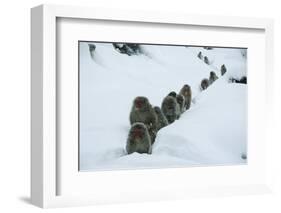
x,y
44,133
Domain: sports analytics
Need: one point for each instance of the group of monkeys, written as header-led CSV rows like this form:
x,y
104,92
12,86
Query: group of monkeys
x,y
147,120
213,77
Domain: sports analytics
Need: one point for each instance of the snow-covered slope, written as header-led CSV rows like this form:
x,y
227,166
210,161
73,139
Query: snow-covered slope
x,y
212,132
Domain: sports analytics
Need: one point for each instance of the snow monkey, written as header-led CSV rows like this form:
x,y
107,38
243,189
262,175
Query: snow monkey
x,y
181,101
162,120
143,112
170,109
204,84
213,77
187,94
242,80
174,95
92,49
206,60
138,139
223,69
200,56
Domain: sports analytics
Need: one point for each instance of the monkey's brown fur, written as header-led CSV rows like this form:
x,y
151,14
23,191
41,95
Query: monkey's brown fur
x,y
138,139
204,84
170,109
187,94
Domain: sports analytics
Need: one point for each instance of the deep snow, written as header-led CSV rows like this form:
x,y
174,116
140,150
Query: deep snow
x,y
212,132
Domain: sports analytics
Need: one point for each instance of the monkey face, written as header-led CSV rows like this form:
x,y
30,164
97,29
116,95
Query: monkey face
x,y
138,131
170,103
140,102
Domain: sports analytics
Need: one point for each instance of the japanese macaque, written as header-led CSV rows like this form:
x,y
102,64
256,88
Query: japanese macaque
x,y
143,112
213,77
206,60
181,101
139,139
200,56
242,80
187,94
162,120
170,109
92,49
223,69
244,156
204,84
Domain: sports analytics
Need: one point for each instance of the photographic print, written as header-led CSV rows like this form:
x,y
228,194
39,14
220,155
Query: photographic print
x,y
160,106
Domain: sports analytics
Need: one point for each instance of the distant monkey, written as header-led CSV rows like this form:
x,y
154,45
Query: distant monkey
x,y
223,69
244,156
92,49
138,139
242,80
200,56
206,60
187,94
213,77
143,112
204,84
162,120
170,109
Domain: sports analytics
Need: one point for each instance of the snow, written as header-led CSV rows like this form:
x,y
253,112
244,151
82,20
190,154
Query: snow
x,y
212,132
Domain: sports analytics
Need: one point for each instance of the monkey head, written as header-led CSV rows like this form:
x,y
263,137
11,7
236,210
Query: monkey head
x,y
141,103
212,74
204,83
170,102
92,47
186,90
157,110
173,94
138,130
139,139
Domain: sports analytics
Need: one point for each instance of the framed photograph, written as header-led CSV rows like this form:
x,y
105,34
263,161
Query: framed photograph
x,y
132,106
